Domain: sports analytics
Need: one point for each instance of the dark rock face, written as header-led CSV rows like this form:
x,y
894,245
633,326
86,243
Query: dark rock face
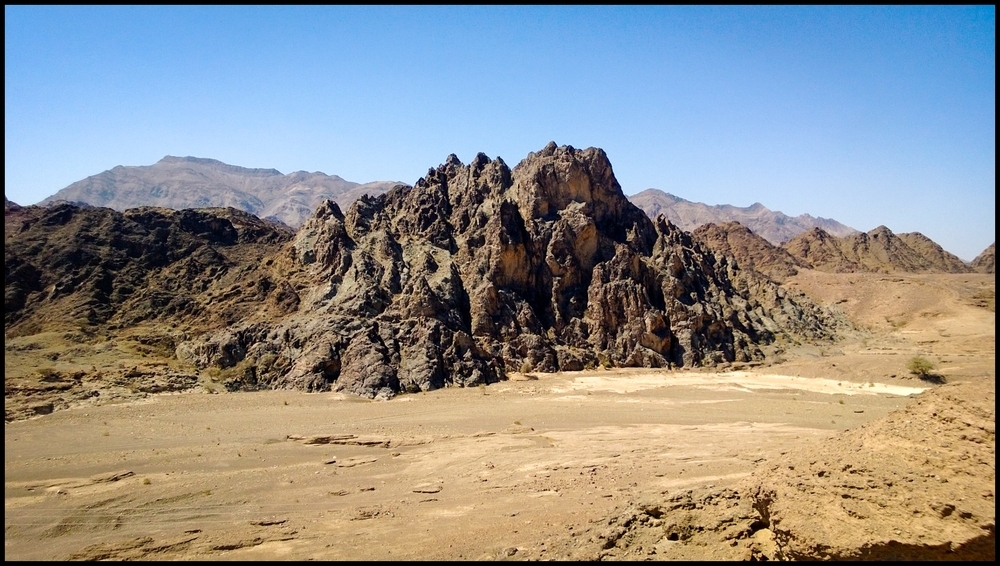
x,y
95,266
478,270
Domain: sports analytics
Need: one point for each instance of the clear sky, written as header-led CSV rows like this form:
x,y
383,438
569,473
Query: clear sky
x,y
868,115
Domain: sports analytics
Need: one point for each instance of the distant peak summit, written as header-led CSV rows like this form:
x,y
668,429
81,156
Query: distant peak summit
x,y
190,159
214,164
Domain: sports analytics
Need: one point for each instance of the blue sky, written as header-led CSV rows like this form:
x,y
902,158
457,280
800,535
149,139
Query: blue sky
x,y
868,115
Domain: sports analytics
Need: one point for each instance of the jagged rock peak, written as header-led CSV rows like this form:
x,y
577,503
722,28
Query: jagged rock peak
x,y
555,177
478,270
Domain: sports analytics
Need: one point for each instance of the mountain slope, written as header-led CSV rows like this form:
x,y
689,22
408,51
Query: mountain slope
x,y
984,262
878,251
748,249
773,226
939,259
69,267
191,182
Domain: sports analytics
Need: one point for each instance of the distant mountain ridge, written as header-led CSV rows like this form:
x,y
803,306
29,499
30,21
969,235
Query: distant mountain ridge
x,y
195,182
774,226
878,251
741,232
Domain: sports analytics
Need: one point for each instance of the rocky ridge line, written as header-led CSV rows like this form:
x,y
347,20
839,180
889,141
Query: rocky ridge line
x,y
877,251
192,182
773,226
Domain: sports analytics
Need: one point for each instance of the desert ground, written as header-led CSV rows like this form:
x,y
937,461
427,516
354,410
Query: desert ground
x,y
823,451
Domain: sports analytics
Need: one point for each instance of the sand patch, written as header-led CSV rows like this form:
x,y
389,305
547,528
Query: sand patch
x,y
742,381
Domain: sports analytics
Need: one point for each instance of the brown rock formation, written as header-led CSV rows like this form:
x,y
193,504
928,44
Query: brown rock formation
x,y
984,261
66,266
477,270
877,251
749,250
939,259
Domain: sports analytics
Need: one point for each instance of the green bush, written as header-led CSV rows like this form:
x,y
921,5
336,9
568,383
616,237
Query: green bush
x,y
923,368
919,366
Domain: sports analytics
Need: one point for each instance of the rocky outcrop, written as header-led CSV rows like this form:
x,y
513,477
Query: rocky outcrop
x,y
820,250
192,182
749,250
774,226
877,251
477,270
984,262
70,266
939,260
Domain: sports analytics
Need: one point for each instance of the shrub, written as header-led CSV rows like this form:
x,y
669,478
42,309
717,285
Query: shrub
x,y
923,368
47,374
919,366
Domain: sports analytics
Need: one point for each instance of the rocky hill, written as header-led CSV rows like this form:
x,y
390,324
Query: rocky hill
x,y
984,261
939,259
191,182
475,271
749,250
478,269
877,251
773,226
69,267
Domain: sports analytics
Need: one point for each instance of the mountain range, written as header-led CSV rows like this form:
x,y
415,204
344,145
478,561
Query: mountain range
x,y
775,227
804,240
193,182
876,251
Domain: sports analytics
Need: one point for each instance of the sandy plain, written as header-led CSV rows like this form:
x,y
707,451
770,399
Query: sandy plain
x,y
531,468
